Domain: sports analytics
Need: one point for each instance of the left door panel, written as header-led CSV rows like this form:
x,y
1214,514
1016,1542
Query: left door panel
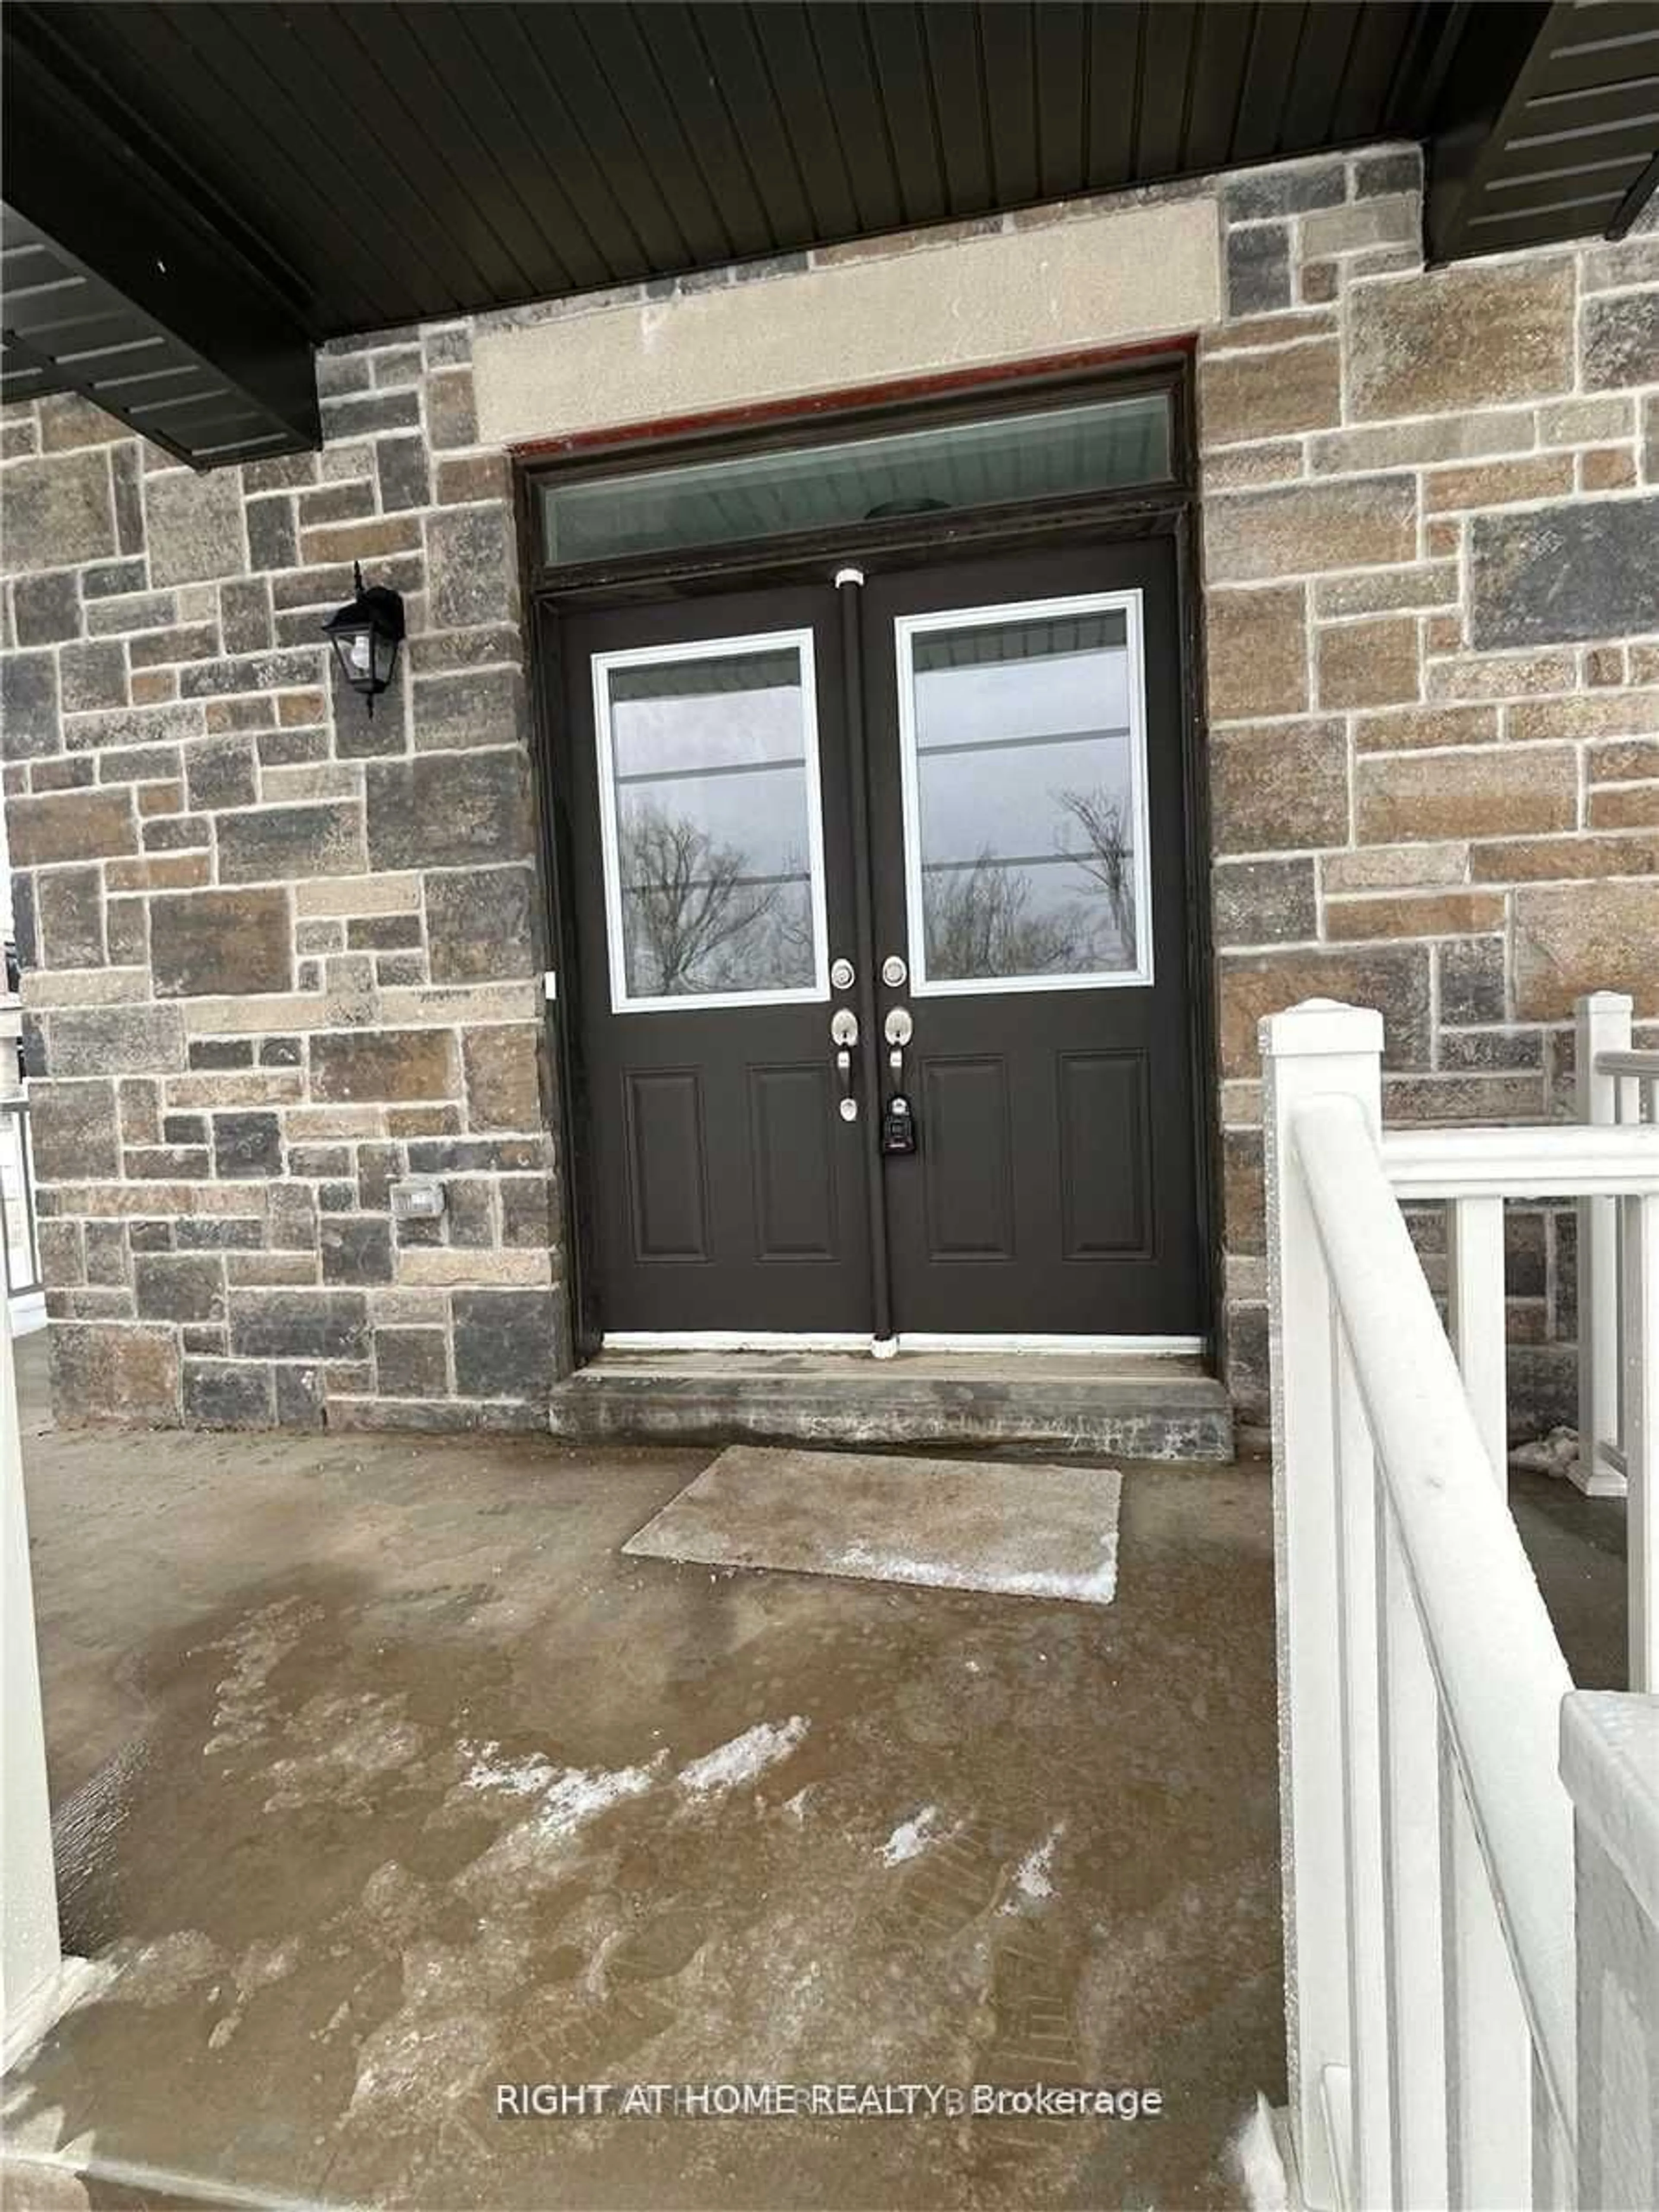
x,y
703,752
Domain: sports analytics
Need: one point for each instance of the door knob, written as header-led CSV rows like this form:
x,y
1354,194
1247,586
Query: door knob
x,y
844,1035
897,1028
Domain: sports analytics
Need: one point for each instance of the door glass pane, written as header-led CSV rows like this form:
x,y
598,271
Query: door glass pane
x,y
1025,794
713,848
1044,455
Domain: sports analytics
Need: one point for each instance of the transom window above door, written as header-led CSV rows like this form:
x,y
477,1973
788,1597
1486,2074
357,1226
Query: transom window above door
x,y
1022,740
712,823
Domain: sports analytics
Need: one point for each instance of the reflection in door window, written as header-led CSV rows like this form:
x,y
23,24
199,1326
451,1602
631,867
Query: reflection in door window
x,y
713,843
1024,795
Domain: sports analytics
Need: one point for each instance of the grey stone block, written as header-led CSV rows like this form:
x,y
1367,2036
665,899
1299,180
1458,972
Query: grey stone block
x,y
478,924
410,1363
470,550
474,706
1586,570
505,1343
29,725
228,1394
180,1286
289,844
117,1041
299,1324
195,525
58,511
71,918
47,609
356,1248
1258,270
1619,339
448,811
74,1131
247,1144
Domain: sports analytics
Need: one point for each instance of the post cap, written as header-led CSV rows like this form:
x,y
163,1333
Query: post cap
x,y
1320,1029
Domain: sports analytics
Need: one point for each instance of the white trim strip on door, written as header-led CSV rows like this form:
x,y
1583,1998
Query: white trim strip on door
x,y
765,1340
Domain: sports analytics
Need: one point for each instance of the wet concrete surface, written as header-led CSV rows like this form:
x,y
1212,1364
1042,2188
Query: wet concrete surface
x,y
384,1778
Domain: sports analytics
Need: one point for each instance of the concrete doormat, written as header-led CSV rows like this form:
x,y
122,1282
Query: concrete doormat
x,y
1023,1531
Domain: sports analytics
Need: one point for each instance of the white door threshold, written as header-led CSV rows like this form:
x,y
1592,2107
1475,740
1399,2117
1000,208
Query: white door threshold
x,y
763,1340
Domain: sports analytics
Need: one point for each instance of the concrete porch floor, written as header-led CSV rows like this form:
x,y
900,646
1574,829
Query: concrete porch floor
x,y
382,1778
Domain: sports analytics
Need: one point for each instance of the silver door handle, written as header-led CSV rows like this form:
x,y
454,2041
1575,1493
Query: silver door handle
x,y
844,1035
897,1028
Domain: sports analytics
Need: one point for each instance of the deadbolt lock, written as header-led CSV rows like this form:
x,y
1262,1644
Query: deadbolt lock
x,y
894,973
843,976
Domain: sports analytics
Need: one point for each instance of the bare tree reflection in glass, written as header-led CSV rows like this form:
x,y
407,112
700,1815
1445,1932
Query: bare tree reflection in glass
x,y
697,919
979,923
1106,856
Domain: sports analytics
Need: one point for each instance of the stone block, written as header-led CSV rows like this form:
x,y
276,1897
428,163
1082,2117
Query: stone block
x,y
1400,797
1470,336
1588,570
1428,913
1473,983
180,1286
1429,438
1257,653
1278,786
47,609
117,1041
383,1063
274,1324
70,918
247,1144
476,707
411,1363
1570,939
1247,395
1294,190
1258,269
1356,229
287,844
448,811
110,1371
505,1343
1407,728
1372,662
74,1131
478,924
404,479
71,826
1394,978
356,1248
452,419
220,944
222,772
195,525
1365,522
1619,338
503,1091
29,723
228,1394
527,1211
60,511
471,561
92,675
1265,902
1497,483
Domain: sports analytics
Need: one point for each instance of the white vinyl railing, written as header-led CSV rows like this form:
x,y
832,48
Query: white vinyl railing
x,y
1618,1087
1433,1979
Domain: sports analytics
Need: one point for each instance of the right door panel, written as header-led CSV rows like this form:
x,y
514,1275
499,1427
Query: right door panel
x,y
1028,863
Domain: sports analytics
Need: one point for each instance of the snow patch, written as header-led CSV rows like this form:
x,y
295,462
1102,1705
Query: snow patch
x,y
743,1759
1254,2160
795,1807
1034,1875
911,1838
579,1793
521,1779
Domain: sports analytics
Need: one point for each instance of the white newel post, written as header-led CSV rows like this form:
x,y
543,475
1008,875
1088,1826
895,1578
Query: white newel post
x,y
32,1983
1610,1764
1603,1025
1317,1049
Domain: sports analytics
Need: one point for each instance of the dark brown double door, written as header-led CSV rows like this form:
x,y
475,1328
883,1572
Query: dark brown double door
x,y
947,804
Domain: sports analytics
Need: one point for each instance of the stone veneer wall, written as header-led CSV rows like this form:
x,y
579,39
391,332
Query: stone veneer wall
x,y
279,953
1432,551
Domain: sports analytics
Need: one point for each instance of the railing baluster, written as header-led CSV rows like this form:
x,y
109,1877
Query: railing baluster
x,y
1362,1782
1640,1401
1604,1020
1488,2044
1474,1292
1411,1803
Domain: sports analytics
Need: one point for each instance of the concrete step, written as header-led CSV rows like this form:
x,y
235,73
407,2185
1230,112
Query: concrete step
x,y
1090,1403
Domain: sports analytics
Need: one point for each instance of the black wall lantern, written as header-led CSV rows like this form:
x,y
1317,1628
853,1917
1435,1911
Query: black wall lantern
x,y
366,636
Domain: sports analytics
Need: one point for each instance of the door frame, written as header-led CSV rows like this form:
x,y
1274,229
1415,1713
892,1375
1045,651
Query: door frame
x,y
1166,510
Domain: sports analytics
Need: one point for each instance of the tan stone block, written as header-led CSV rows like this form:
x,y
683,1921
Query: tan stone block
x,y
370,540
248,1086
1627,806
310,780
1472,336
1444,634
1278,787
1583,937
1394,868
503,1086
1501,675
1443,536
45,987
1240,1105
1369,664
1644,663
1410,729
1238,468
1497,483
1586,421
1246,396
71,826
160,798
1395,978
1564,859
1441,914
1629,759
369,1066
1591,714
1266,330
358,895
1462,437
161,872
418,1004
1367,522
1605,666
1256,644
1401,796
465,1267
1609,468
1386,591
152,687
318,1124
1485,1098
394,1309
253,1270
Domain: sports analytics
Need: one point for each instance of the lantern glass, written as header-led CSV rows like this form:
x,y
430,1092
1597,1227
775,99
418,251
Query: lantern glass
x,y
366,636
